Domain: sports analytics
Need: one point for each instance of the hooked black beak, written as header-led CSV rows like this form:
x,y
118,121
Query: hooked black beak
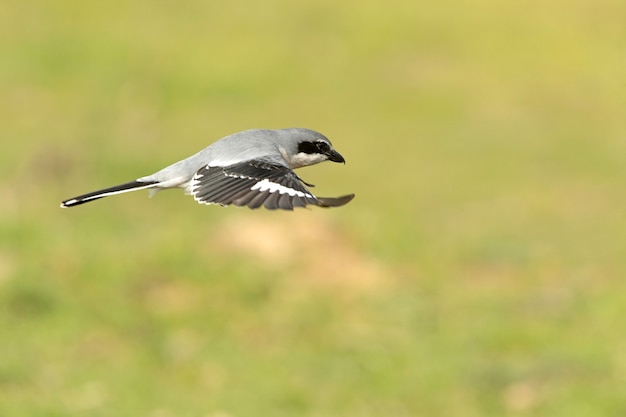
x,y
335,156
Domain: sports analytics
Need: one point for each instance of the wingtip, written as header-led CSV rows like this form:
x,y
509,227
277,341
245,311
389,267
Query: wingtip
x,y
336,201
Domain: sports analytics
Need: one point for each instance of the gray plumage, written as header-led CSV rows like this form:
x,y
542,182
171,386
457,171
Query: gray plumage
x,y
252,168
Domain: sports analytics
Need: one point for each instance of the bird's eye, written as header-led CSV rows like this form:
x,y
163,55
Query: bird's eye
x,y
322,146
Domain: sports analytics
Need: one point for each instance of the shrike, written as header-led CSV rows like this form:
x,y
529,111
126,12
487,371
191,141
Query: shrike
x,y
252,168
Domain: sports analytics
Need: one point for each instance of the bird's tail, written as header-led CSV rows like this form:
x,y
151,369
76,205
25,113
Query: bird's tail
x,y
117,189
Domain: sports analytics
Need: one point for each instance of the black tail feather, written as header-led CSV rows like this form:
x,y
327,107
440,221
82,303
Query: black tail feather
x,y
117,189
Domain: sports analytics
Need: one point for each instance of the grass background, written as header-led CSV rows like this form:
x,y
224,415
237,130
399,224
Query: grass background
x,y
480,271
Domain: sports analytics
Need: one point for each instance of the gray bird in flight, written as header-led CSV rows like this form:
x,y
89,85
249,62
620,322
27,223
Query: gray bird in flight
x,y
252,168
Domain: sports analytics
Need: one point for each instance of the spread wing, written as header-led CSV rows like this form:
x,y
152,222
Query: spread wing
x,y
255,184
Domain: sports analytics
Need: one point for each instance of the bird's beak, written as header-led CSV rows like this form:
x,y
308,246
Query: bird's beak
x,y
335,156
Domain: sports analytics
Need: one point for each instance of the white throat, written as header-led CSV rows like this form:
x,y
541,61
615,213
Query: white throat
x,y
302,159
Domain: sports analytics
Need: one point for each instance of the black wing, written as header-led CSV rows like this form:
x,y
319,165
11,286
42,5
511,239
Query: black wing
x,y
255,184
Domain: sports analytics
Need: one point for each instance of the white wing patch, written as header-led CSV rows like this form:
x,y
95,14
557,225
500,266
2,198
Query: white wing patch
x,y
190,187
272,187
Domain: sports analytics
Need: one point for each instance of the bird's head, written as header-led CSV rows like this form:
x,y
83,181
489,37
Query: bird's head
x,y
308,147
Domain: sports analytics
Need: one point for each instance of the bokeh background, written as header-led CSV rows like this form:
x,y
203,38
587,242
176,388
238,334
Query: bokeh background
x,y
480,271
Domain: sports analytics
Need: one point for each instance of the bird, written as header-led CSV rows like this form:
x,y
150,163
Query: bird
x,y
252,168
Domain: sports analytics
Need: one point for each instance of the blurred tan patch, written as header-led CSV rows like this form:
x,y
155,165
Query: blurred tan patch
x,y
169,297
307,245
520,396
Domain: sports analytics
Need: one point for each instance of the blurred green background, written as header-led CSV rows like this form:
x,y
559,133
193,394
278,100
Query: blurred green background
x,y
480,271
